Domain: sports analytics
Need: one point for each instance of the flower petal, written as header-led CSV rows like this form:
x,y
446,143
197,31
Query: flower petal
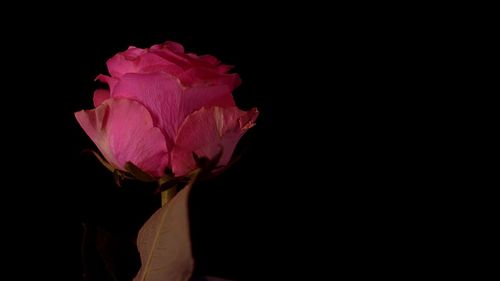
x,y
209,59
160,93
123,131
172,46
100,95
206,132
122,63
203,75
206,96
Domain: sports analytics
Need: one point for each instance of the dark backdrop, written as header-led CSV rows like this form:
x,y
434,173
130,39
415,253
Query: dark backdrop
x,y
310,191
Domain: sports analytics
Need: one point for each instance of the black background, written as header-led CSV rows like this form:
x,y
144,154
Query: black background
x,y
310,193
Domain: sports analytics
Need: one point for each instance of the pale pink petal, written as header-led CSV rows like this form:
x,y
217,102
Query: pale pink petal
x,y
100,95
206,132
123,131
160,93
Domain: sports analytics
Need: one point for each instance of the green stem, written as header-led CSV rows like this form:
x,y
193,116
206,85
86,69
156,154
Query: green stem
x,y
167,195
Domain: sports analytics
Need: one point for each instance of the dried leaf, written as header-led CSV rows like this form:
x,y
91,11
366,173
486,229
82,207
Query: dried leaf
x,y
164,242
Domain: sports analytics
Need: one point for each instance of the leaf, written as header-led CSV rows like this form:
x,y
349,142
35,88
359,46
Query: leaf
x,y
164,242
138,173
102,160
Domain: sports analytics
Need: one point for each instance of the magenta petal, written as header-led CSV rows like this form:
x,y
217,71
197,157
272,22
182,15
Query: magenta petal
x,y
206,96
100,95
178,59
206,132
160,93
172,46
124,62
164,66
121,64
103,78
209,59
203,75
111,81
123,131
223,68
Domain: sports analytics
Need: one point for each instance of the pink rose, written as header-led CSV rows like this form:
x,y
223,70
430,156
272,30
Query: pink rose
x,y
162,106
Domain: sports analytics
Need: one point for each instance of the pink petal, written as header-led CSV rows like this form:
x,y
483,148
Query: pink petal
x,y
100,95
178,59
206,132
206,96
133,52
224,68
124,62
121,64
172,46
177,56
123,131
203,75
209,59
160,93
168,57
166,67
111,81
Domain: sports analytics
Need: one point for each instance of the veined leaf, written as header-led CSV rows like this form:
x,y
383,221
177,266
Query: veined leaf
x,y
164,242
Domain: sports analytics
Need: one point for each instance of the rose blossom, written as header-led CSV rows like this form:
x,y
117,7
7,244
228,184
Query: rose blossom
x,y
162,106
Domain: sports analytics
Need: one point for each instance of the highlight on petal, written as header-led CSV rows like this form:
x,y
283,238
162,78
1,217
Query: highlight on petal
x,y
100,95
207,131
123,131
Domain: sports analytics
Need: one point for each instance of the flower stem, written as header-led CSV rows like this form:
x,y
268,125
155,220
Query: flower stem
x,y
167,195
